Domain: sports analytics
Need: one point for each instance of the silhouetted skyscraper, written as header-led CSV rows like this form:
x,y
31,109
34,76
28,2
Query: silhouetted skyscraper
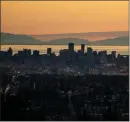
x,y
105,52
20,53
90,58
29,52
10,52
25,52
103,58
36,53
118,56
71,46
99,53
49,51
95,53
89,50
113,55
82,47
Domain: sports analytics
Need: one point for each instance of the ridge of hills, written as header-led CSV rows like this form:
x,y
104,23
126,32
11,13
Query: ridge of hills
x,y
18,39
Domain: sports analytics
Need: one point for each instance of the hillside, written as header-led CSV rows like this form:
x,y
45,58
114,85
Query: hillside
x,y
17,39
65,41
91,36
120,41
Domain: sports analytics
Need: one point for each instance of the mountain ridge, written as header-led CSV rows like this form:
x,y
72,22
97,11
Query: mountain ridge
x,y
19,39
8,38
91,36
81,33
120,41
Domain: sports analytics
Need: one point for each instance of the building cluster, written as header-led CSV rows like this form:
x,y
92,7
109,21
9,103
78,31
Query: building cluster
x,y
36,86
68,61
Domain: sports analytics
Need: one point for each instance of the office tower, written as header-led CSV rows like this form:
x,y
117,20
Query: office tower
x,y
71,46
95,53
25,52
49,51
36,53
89,50
64,53
10,52
29,52
113,54
118,56
90,57
103,57
20,53
82,47
99,53
105,52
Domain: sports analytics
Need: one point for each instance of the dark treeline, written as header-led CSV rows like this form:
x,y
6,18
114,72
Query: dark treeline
x,y
53,103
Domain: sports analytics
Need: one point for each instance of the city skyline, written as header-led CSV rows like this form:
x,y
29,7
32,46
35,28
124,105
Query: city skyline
x,y
63,17
64,61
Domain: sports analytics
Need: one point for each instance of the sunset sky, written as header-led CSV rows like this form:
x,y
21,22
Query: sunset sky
x,y
41,17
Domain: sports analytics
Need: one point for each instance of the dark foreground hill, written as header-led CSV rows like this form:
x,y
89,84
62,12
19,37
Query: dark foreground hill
x,y
106,97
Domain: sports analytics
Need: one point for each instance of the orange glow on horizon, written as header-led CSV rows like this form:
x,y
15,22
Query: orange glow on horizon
x,y
42,17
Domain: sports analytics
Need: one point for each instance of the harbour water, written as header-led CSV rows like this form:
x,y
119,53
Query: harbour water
x,y
123,50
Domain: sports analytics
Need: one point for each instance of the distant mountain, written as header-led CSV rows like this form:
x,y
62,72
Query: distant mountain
x,y
120,41
91,36
17,39
65,41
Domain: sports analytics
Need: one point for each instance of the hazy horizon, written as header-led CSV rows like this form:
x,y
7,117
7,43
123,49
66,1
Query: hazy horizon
x,y
67,33
82,32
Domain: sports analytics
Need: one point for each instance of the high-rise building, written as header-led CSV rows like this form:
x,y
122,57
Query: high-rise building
x,y
89,50
113,53
25,52
99,53
105,52
95,53
22,53
118,56
71,46
82,47
29,52
10,51
90,57
103,57
36,53
49,51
